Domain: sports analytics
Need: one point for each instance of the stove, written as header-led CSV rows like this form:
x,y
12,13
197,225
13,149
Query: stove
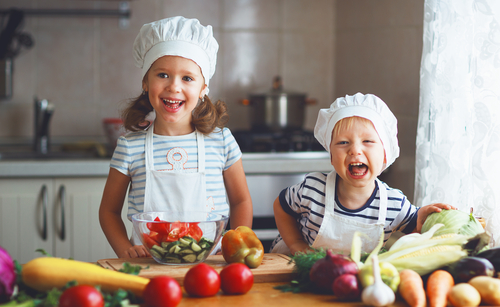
x,y
285,141
285,148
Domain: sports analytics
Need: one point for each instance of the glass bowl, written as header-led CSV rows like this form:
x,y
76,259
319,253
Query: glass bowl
x,y
178,238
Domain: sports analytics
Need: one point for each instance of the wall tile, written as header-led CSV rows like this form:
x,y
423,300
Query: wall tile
x,y
306,14
206,11
251,14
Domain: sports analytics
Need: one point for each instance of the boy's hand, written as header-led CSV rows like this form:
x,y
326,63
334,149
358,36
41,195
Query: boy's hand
x,y
426,210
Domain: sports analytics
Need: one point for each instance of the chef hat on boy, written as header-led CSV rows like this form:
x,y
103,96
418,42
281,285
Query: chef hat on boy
x,y
367,106
177,36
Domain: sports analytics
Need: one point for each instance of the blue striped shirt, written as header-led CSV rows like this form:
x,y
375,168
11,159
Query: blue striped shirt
x,y
306,202
221,151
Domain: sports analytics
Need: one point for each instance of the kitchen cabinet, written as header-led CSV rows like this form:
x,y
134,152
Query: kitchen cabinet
x,y
59,215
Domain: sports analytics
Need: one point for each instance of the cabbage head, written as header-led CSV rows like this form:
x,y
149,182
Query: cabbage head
x,y
455,221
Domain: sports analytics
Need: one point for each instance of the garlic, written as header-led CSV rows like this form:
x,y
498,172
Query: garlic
x,y
378,294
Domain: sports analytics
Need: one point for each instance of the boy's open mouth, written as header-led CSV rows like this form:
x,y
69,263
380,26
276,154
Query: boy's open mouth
x,y
173,104
358,169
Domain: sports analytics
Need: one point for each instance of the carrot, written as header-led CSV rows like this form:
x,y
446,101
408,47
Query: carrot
x,y
439,284
411,288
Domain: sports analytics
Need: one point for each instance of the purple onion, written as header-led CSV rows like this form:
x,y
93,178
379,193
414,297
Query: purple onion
x,y
7,276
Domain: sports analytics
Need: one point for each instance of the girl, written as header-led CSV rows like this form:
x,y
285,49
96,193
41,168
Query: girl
x,y
186,160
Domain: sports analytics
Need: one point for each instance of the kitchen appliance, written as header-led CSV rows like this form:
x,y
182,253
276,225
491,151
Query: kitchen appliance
x,y
293,153
277,110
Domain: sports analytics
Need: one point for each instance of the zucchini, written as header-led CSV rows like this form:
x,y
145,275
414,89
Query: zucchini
x,y
45,273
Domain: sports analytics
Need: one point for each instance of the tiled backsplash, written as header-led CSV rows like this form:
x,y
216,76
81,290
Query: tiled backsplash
x,y
324,48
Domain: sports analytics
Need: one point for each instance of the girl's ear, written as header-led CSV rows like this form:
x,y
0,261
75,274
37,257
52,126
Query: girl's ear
x,y
203,91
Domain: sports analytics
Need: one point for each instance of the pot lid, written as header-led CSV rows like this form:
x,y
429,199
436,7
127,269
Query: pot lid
x,y
276,90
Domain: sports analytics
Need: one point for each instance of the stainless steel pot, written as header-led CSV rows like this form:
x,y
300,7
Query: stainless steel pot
x,y
277,110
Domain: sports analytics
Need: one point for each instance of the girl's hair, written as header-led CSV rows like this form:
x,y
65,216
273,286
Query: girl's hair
x,y
206,116
347,122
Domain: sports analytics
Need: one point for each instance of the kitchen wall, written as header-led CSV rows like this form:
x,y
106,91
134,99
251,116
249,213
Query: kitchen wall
x,y
325,48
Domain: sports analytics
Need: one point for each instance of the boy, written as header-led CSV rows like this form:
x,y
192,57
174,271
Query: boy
x,y
360,133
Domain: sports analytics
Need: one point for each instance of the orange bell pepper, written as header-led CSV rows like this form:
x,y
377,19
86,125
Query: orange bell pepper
x,y
242,245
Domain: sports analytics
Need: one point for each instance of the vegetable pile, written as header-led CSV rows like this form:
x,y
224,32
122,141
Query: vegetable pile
x,y
176,242
50,282
450,264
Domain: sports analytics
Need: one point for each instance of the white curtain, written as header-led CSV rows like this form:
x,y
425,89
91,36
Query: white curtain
x,y
458,136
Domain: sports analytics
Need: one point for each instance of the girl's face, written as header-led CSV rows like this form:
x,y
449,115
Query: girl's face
x,y
357,154
174,85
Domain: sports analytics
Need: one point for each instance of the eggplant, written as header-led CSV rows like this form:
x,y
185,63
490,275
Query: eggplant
x,y
493,255
468,267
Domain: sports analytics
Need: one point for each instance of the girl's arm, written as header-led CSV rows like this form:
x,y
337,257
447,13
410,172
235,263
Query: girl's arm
x,y
110,216
289,231
240,202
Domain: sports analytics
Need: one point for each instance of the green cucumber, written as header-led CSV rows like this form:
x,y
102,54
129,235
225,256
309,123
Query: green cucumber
x,y
190,258
184,250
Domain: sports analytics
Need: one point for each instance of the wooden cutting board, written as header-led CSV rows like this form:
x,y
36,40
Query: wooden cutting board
x,y
274,267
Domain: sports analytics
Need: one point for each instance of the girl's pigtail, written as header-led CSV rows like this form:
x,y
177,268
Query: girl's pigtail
x,y
134,116
208,116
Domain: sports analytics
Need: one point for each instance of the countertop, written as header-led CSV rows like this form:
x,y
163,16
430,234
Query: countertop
x,y
264,294
253,163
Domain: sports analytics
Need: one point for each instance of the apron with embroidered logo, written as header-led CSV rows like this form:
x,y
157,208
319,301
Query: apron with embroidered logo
x,y
336,232
168,190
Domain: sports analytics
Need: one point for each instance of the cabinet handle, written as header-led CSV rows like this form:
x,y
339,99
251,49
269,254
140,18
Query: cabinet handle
x,y
45,201
62,197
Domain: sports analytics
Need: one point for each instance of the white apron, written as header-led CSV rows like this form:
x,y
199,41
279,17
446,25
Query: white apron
x,y
336,232
173,191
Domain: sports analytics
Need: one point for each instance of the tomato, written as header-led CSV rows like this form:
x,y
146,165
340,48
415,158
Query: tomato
x,y
81,296
194,231
202,280
159,226
162,291
236,278
149,241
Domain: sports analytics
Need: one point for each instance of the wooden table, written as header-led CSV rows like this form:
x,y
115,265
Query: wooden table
x,y
264,295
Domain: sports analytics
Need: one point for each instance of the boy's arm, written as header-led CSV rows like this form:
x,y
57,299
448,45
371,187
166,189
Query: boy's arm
x,y
426,210
289,231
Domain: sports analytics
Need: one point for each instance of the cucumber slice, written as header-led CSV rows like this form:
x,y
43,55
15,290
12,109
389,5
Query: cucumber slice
x,y
195,247
174,249
169,245
172,259
201,255
158,250
186,251
155,254
184,241
189,258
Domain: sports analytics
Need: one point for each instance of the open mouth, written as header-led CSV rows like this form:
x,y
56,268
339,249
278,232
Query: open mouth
x,y
173,104
358,169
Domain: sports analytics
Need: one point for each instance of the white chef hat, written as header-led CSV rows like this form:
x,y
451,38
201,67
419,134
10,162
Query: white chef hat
x,y
177,36
367,106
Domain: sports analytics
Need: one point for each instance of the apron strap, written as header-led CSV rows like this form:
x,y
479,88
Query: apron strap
x,y
149,157
383,202
200,140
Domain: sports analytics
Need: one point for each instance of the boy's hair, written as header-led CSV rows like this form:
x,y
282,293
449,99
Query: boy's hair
x,y
206,116
347,122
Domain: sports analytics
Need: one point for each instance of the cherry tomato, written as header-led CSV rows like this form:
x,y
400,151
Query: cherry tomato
x,y
202,280
81,296
236,278
162,291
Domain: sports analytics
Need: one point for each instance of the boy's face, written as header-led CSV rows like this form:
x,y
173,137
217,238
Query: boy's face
x,y
357,154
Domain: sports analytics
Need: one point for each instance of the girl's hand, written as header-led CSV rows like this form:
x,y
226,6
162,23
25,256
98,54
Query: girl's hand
x,y
135,251
426,210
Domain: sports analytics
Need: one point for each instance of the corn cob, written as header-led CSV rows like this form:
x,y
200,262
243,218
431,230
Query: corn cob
x,y
424,253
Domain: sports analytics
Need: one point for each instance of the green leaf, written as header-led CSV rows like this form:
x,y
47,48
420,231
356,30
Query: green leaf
x,y
131,269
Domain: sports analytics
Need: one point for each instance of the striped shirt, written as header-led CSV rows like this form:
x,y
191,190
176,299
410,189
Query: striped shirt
x,y
306,202
221,151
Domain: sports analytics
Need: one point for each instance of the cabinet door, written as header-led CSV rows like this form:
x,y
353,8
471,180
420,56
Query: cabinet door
x,y
26,217
80,198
